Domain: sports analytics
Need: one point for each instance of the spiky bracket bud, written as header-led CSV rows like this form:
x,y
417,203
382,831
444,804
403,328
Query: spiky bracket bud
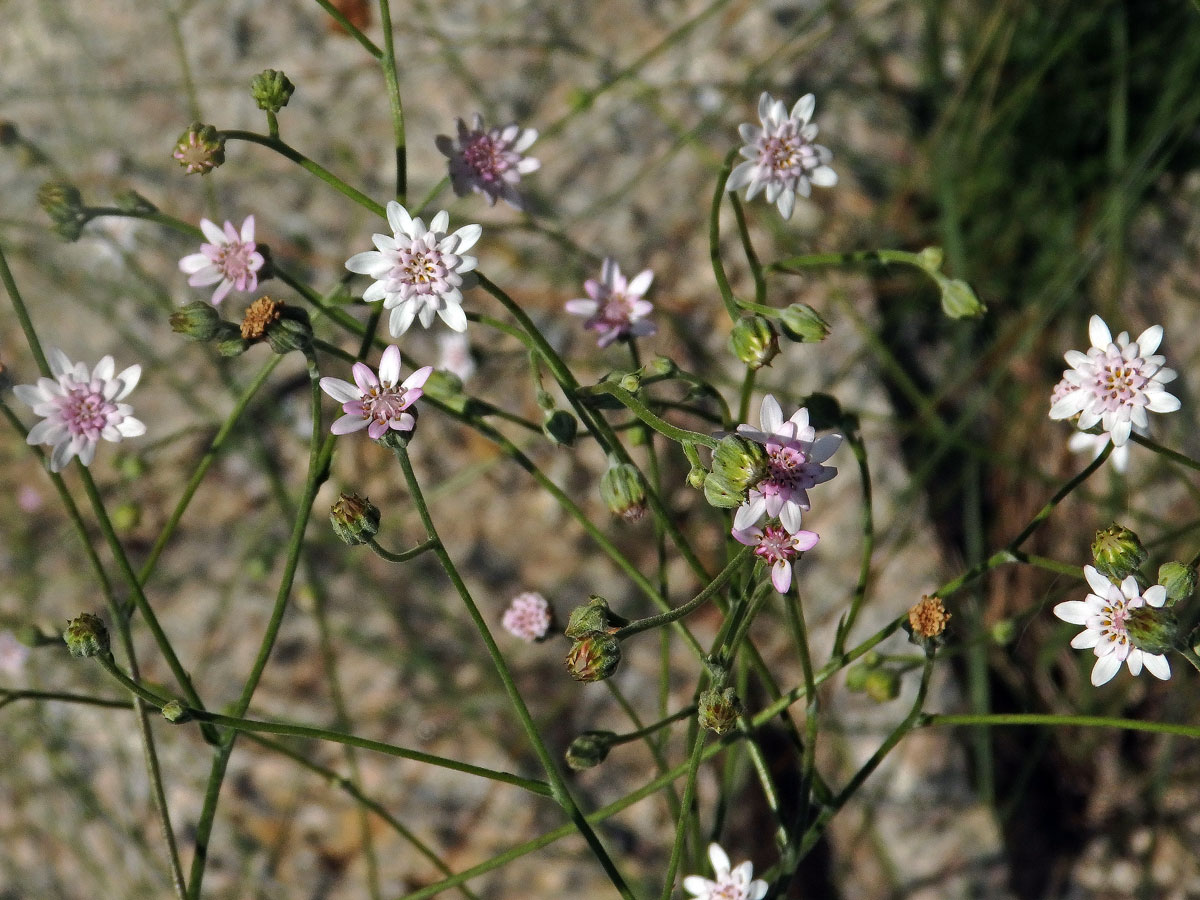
x,y
86,636
355,519
594,657
1179,580
200,149
63,203
271,90
1117,552
754,341
589,749
802,324
1153,629
624,491
718,709
200,321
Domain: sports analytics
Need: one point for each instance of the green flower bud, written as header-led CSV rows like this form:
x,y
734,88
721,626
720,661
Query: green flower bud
x,y
1003,632
200,321
131,201
659,367
126,516
200,149
958,300
754,341
801,323
882,685
719,493
271,90
739,463
291,331
1152,629
86,636
696,476
631,382
623,491
931,258
63,203
561,427
589,749
1117,552
232,346
718,710
1178,579
594,657
175,713
856,677
596,616
355,519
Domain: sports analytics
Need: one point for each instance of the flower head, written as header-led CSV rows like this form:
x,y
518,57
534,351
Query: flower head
x,y
419,271
614,306
1105,616
794,464
200,149
777,547
78,408
489,161
731,884
378,404
1114,383
230,259
781,157
527,617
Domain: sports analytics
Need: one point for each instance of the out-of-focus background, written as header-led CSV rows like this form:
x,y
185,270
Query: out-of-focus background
x,y
1050,148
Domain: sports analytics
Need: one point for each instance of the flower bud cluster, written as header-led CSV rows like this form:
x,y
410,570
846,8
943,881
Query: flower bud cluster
x,y
595,650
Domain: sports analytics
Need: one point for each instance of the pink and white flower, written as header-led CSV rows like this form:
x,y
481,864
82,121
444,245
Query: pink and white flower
x,y
378,404
527,617
79,407
1093,444
781,157
794,464
230,259
1115,383
778,548
614,306
454,355
1104,615
489,161
419,271
731,884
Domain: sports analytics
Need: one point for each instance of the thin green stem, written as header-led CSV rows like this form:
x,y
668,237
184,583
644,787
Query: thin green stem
x,y
756,270
714,237
689,798
639,409
351,29
1163,451
859,448
405,555
559,787
998,719
392,80
695,603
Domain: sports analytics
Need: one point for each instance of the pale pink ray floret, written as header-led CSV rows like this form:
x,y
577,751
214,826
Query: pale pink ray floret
x,y
730,884
419,272
778,548
615,307
781,158
230,260
377,403
489,161
527,617
1104,614
1116,382
794,459
79,407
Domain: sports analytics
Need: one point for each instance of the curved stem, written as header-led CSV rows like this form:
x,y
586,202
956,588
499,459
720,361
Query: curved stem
x,y
639,409
714,237
695,603
405,555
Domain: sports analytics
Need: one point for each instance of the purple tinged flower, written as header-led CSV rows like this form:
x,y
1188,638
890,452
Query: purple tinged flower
x,y
419,272
794,464
527,617
454,355
731,884
1104,614
78,408
777,547
614,306
230,259
1094,444
377,403
781,157
1115,383
489,161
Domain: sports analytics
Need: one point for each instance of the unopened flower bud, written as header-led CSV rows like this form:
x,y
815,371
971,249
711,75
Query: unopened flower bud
x,y
1003,632
589,749
959,300
696,476
856,677
560,426
271,90
718,710
1178,579
931,258
659,367
754,341
354,519
1118,552
623,491
802,324
233,344
1152,629
596,616
594,657
175,713
719,493
740,462
126,516
292,330
86,636
200,149
882,685
200,321
63,203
